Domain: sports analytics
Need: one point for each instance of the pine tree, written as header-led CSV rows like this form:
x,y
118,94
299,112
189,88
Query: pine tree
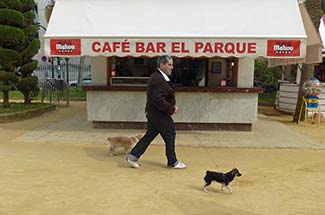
x,y
11,44
18,44
28,84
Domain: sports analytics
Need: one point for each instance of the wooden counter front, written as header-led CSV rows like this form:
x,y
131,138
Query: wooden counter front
x,y
178,89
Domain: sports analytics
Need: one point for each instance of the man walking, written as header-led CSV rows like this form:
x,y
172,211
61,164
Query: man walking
x,y
160,106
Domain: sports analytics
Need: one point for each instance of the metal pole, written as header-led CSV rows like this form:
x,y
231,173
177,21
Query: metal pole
x,y
59,67
67,65
52,64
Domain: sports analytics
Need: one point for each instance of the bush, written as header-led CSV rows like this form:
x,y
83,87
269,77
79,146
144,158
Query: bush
x,y
31,50
28,86
11,37
12,4
266,77
27,5
11,17
9,59
8,80
28,68
29,17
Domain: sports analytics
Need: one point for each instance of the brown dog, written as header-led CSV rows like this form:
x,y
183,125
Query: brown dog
x,y
126,143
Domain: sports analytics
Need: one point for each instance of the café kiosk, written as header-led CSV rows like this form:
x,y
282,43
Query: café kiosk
x,y
213,43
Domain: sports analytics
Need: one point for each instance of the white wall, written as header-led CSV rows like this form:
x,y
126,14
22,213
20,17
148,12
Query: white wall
x,y
198,107
245,72
98,70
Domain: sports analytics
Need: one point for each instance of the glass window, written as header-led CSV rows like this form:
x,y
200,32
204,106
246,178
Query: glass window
x,y
186,72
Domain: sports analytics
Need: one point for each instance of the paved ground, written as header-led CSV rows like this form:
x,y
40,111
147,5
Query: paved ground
x,y
57,164
266,133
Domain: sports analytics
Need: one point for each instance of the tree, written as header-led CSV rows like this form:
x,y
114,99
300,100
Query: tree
x,y
11,43
28,84
314,8
266,75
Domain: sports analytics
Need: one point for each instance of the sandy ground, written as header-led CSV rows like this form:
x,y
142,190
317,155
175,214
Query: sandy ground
x,y
65,178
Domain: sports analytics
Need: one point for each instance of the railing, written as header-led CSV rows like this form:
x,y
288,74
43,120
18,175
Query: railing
x,y
54,90
59,72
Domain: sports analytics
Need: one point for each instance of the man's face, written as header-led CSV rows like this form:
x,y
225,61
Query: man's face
x,y
168,67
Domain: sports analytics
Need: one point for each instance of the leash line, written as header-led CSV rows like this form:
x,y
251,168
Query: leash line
x,y
201,142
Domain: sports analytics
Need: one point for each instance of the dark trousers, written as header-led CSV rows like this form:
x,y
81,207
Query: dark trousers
x,y
163,125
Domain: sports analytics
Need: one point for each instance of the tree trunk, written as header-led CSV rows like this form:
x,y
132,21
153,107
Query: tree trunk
x,y
5,99
307,72
27,98
314,8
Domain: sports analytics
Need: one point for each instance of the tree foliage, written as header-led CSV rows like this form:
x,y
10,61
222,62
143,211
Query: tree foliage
x,y
28,83
11,37
9,59
12,4
265,74
11,41
18,45
11,17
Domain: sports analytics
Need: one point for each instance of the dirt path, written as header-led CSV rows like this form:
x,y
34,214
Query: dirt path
x,y
49,178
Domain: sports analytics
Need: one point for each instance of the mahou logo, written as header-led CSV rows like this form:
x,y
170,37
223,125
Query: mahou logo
x,y
65,47
286,48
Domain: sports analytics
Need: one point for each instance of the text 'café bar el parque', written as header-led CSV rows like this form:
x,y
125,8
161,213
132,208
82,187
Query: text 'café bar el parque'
x,y
213,44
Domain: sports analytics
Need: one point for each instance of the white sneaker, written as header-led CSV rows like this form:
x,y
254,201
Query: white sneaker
x,y
178,165
133,164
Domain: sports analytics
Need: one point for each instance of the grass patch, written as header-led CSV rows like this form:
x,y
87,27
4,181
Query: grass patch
x,y
21,107
266,98
15,95
75,93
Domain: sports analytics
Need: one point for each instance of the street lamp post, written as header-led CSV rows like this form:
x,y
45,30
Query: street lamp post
x,y
67,65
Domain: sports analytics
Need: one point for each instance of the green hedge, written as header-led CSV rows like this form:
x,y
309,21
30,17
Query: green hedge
x,y
12,18
29,17
11,37
27,5
8,76
28,84
30,32
31,50
11,4
9,59
28,68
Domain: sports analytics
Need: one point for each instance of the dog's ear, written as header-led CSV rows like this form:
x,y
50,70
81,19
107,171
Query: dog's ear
x,y
134,140
234,171
139,136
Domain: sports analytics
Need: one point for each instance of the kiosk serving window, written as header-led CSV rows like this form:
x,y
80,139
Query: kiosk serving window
x,y
189,72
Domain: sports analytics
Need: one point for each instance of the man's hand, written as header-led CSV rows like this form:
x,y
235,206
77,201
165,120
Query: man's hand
x,y
176,109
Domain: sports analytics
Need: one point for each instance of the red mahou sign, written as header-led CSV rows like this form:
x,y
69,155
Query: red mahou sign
x,y
65,47
286,48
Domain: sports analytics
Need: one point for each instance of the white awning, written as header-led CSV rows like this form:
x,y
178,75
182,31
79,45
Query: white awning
x,y
322,33
314,44
208,28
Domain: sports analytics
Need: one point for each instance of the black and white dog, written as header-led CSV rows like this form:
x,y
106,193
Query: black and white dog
x,y
223,178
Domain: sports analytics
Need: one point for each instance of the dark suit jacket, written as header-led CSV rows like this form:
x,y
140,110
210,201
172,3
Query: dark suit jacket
x,y
160,96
